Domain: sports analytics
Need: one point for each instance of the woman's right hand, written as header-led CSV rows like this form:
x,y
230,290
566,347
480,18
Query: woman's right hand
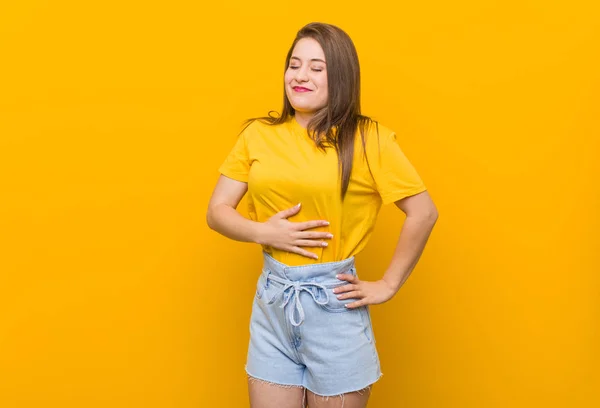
x,y
278,232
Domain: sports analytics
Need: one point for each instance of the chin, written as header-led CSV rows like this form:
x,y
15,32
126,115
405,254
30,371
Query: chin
x,y
306,108
303,109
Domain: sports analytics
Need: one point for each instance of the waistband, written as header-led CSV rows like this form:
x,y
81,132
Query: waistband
x,y
313,279
320,272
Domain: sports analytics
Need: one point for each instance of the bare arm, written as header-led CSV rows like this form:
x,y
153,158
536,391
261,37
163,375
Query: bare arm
x,y
421,216
223,217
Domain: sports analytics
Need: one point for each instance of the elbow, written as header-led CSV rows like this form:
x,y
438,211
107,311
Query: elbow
x,y
214,216
433,216
210,219
424,216
428,215
432,213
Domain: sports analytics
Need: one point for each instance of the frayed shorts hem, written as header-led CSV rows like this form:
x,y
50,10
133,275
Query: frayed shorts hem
x,y
314,391
271,381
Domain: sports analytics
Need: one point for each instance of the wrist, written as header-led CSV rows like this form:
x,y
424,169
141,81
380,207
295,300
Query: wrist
x,y
257,234
394,284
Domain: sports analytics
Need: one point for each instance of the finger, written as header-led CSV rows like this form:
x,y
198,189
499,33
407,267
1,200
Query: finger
x,y
358,303
301,226
289,212
350,295
345,288
314,235
347,277
300,251
310,243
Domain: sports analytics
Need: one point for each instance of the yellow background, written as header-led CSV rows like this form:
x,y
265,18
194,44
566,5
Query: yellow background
x,y
114,117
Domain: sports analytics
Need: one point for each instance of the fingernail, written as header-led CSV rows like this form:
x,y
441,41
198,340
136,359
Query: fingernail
x,y
337,276
334,291
298,205
326,223
330,236
324,243
338,296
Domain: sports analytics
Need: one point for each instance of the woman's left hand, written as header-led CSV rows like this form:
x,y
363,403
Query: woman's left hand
x,y
368,293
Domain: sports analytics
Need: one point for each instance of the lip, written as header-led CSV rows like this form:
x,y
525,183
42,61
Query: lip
x,y
301,89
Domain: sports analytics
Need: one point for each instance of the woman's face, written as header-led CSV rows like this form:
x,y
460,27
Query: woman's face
x,y
306,77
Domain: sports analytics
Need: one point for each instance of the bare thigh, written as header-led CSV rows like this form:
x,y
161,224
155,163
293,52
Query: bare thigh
x,y
267,395
357,399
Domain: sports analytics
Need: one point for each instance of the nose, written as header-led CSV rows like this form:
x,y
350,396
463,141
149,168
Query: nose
x,y
301,74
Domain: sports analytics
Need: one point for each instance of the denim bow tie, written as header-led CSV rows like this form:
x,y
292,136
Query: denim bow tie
x,y
291,290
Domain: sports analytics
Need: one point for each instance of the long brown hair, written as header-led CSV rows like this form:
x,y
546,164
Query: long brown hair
x,y
335,124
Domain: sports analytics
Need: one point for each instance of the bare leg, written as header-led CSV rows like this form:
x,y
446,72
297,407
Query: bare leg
x,y
356,399
264,394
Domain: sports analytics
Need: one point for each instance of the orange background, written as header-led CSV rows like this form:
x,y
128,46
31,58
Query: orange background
x,y
114,117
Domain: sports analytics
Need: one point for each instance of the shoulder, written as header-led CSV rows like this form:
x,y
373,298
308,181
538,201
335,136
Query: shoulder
x,y
252,126
376,135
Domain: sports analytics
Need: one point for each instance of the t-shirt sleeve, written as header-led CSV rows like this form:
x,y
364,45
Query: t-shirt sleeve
x,y
237,163
395,177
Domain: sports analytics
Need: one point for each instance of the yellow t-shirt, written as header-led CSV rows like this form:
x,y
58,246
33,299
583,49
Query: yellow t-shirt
x,y
283,167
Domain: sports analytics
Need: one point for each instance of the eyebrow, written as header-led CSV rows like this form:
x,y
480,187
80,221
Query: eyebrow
x,y
313,59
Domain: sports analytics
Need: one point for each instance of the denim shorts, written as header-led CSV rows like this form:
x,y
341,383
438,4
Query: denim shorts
x,y
302,335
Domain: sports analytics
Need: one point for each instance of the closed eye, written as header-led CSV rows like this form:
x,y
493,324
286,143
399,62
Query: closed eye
x,y
313,69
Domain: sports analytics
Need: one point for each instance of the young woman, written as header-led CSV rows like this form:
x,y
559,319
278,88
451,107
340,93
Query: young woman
x,y
316,177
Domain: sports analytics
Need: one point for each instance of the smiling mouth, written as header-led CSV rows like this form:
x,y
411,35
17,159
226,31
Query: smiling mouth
x,y
301,89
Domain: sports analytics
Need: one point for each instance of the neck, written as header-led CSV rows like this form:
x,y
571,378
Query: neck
x,y
303,118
